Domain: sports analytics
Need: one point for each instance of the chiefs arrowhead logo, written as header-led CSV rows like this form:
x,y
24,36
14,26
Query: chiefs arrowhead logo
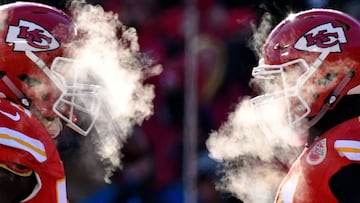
x,y
323,38
30,36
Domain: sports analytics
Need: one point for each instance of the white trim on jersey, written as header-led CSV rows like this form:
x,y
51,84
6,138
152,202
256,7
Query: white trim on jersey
x,y
35,190
61,191
348,148
16,139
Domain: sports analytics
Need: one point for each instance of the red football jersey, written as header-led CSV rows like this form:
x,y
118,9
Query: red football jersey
x,y
308,178
25,141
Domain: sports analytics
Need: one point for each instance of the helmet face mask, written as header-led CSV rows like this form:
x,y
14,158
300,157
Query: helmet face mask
x,y
310,61
34,60
282,89
79,99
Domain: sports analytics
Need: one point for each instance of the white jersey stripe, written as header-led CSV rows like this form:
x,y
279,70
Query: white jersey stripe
x,y
348,148
61,191
21,141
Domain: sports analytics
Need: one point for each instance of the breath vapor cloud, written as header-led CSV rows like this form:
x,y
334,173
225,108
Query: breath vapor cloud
x,y
253,162
109,55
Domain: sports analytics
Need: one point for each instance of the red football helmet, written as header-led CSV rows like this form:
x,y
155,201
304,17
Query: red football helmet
x,y
310,61
34,38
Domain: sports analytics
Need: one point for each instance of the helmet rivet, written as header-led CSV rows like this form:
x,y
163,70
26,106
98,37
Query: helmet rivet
x,y
25,102
332,99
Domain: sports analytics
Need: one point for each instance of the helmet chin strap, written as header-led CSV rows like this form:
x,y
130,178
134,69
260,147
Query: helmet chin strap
x,y
25,101
332,98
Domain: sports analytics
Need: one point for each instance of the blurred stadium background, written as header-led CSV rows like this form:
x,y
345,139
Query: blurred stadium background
x,y
206,49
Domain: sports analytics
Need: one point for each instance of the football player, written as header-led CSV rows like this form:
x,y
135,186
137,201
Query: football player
x,y
34,39
33,95
311,62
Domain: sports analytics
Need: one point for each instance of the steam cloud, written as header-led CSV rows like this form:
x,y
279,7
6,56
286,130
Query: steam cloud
x,y
253,163
109,55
